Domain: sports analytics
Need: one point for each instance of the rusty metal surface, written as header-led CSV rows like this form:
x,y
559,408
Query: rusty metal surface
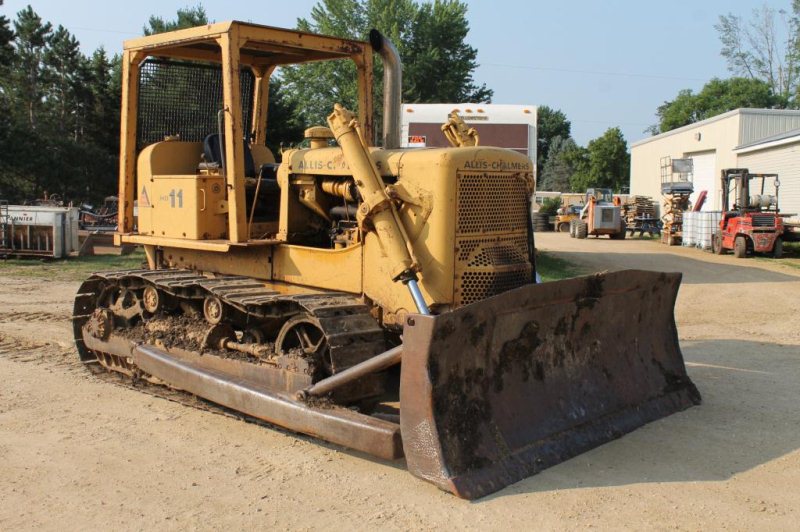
x,y
266,376
375,364
498,390
353,335
334,424
259,391
262,391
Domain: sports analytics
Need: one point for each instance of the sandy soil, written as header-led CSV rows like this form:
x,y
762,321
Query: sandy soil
x,y
77,453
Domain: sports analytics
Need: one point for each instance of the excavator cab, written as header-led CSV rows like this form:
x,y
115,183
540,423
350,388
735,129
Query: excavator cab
x,y
379,298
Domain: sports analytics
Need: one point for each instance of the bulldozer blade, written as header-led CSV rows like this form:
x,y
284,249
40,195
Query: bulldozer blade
x,y
498,390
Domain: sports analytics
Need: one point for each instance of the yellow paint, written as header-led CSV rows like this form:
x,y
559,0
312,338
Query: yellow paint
x,y
413,210
334,269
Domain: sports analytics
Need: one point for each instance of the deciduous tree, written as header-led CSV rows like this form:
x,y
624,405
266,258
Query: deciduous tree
x,y
716,97
604,164
764,47
430,37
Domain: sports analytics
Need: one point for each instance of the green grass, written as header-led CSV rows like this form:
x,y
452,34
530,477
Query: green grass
x,y
791,256
71,269
552,268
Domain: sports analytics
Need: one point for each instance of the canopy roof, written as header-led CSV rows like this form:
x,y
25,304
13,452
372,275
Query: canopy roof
x,y
259,45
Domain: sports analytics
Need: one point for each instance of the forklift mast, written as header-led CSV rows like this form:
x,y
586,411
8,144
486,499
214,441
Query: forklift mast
x,y
737,180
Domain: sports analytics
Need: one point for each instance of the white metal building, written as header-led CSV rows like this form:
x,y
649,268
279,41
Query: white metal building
x,y
762,140
505,126
778,154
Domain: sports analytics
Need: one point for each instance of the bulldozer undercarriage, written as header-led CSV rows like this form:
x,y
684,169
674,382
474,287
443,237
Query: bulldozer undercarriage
x,y
487,394
200,334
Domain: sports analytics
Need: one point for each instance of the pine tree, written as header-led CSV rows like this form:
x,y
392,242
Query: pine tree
x,y
559,166
62,61
27,77
6,49
188,17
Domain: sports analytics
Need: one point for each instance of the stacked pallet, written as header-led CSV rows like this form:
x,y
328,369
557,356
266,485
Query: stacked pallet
x,y
672,211
636,209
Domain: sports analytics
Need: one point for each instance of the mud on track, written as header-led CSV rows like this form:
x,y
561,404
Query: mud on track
x,y
79,453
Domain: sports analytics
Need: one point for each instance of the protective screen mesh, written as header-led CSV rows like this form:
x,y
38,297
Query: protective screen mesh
x,y
181,98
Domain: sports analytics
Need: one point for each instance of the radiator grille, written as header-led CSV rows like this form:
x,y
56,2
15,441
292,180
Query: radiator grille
x,y
478,284
489,203
491,236
467,246
763,220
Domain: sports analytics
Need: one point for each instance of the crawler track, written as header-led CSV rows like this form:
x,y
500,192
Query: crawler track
x,y
246,305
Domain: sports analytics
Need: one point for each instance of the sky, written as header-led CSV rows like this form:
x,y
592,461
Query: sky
x,y
603,63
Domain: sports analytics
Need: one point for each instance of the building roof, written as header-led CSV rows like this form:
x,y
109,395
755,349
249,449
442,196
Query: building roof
x,y
780,139
723,116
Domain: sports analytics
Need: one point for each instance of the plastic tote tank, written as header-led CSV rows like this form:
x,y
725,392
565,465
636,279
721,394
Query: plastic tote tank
x,y
706,224
689,237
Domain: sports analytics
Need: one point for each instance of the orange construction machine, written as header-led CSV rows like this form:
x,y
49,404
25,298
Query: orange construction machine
x,y
601,215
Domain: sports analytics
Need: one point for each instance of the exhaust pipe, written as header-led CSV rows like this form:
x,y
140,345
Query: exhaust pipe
x,y
392,88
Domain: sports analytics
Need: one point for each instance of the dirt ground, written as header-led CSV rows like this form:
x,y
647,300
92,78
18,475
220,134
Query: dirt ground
x,y
78,453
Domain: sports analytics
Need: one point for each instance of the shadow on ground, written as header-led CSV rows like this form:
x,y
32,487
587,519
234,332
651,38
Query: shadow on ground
x,y
694,271
749,417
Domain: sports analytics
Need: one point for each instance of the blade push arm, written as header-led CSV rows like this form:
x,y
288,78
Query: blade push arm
x,y
377,212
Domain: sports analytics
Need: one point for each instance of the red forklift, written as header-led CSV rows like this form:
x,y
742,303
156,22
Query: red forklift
x,y
750,223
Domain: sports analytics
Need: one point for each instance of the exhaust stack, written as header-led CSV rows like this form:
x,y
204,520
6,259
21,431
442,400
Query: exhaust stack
x,y
392,88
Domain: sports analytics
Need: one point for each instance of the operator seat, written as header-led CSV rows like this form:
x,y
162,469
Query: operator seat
x,y
262,195
214,148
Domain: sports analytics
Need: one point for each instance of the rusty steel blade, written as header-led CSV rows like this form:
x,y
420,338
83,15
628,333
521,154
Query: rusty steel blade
x,y
498,390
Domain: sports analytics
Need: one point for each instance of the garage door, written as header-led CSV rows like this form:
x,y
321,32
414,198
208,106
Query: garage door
x,y
705,178
781,160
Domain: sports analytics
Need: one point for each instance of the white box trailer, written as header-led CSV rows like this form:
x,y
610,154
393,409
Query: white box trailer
x,y
504,126
27,230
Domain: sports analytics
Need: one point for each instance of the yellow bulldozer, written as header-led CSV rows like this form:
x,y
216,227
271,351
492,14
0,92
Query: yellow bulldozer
x,y
379,298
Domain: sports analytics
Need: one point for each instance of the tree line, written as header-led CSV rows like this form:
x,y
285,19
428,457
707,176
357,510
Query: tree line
x,y
565,166
762,52
59,113
59,108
